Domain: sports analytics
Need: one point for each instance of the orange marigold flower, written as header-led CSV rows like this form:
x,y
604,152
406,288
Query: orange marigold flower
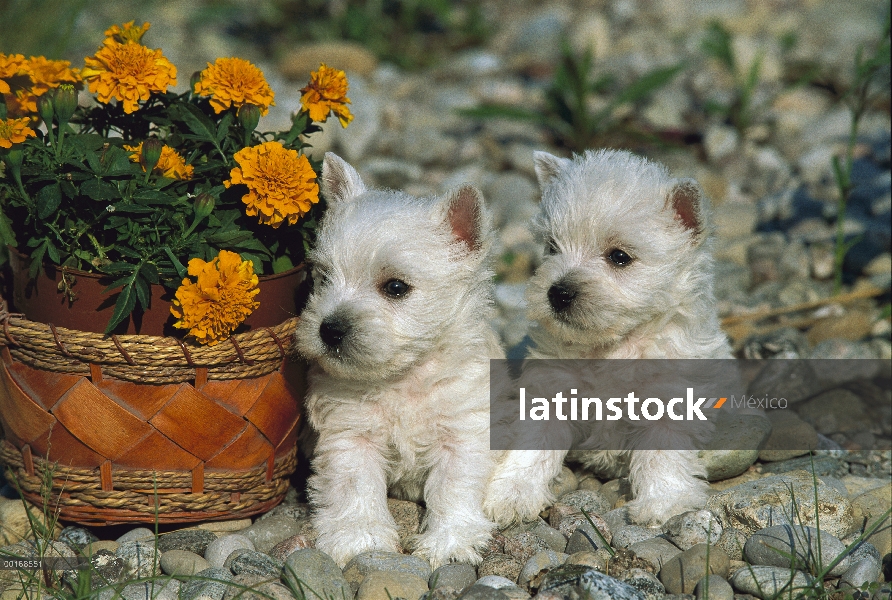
x,y
128,73
220,298
171,164
45,75
235,82
14,131
127,32
281,183
10,66
327,92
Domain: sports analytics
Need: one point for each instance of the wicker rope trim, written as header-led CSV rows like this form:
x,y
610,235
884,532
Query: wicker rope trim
x,y
78,489
143,358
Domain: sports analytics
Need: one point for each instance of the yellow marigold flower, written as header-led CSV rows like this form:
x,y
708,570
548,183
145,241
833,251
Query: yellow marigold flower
x,y
220,298
281,183
171,164
10,66
327,92
127,32
45,75
127,72
235,82
14,131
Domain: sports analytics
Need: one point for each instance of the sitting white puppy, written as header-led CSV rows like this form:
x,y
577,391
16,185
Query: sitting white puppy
x,y
627,275
397,329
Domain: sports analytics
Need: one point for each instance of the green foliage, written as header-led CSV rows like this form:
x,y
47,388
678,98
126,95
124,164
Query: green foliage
x,y
81,202
567,112
870,81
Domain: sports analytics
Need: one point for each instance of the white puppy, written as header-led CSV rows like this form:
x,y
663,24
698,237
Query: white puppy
x,y
397,329
627,275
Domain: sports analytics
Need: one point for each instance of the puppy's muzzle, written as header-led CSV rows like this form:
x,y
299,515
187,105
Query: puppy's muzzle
x,y
332,332
561,296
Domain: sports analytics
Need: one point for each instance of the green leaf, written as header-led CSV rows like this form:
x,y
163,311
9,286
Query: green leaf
x,y
181,270
7,234
228,237
48,200
223,127
128,252
100,190
134,209
282,264
146,196
143,292
198,122
150,272
124,305
36,260
646,85
52,252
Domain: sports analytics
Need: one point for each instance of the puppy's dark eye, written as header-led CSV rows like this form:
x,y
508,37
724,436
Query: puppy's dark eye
x,y
395,288
551,247
619,257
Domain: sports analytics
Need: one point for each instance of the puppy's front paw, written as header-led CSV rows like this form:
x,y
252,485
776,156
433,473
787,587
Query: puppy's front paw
x,y
652,511
344,543
508,501
454,543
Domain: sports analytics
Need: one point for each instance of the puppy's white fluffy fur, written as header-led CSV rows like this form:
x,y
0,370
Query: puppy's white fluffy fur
x,y
399,394
659,305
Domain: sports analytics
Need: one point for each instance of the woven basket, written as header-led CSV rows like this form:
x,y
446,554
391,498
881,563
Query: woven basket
x,y
135,427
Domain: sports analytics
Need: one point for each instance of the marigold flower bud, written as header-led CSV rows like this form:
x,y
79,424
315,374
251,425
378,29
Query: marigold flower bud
x,y
249,116
45,109
65,102
151,153
204,205
13,159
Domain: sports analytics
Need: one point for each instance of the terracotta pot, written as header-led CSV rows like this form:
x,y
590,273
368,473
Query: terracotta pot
x,y
74,299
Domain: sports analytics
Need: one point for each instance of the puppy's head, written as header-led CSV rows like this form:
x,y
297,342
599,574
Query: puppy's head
x,y
395,276
624,243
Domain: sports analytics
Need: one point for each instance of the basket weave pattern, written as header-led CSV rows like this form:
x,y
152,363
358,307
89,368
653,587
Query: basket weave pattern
x,y
137,426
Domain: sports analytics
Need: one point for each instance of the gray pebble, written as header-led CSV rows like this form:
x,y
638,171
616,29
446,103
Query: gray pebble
x,y
692,528
537,565
312,572
766,582
554,538
501,565
293,511
182,562
386,585
256,563
524,545
584,539
645,582
289,545
773,546
207,584
164,589
454,575
77,537
193,540
137,534
657,551
379,560
267,533
592,502
627,535
580,582
714,587
482,592
732,542
681,574
140,558
219,550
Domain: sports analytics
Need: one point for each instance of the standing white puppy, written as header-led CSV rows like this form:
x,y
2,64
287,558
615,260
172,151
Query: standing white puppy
x,y
627,275
397,328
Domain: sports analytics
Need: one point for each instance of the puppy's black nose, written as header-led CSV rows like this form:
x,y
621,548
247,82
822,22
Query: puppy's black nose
x,y
332,332
561,296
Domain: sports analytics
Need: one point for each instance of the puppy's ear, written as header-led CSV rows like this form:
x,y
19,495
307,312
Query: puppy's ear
x,y
466,216
690,207
340,181
548,167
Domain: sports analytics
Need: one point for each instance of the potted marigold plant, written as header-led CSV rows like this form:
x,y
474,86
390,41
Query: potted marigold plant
x,y
170,200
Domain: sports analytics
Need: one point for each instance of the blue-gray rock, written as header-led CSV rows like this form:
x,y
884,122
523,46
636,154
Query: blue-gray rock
x,y
289,545
585,539
797,547
592,502
508,587
191,540
256,563
657,551
501,565
386,585
732,542
315,574
645,582
822,466
105,569
140,558
482,592
163,589
713,587
537,565
141,534
294,511
573,581
554,538
767,582
866,566
379,560
681,574
454,575
180,563
617,518
794,380
692,528
755,505
219,550
734,445
524,545
227,564
627,535
77,537
266,533
210,583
